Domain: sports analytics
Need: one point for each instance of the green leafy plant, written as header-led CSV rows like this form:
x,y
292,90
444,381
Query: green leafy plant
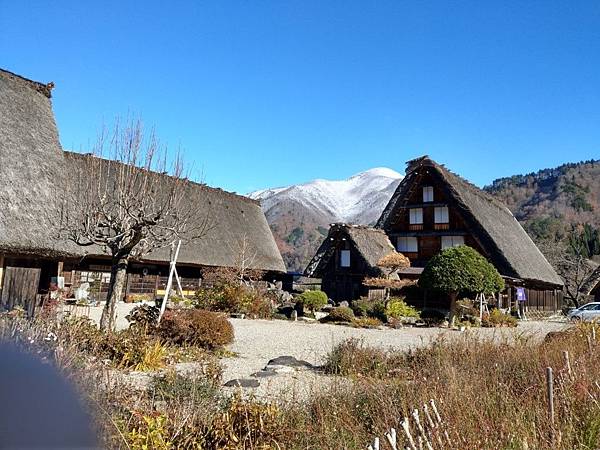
x,y
313,300
398,308
460,270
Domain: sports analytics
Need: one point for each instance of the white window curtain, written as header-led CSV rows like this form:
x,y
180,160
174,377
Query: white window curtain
x,y
345,258
416,216
441,214
427,194
452,241
407,244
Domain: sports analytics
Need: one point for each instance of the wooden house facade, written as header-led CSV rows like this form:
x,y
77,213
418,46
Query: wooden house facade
x,y
347,256
433,209
33,171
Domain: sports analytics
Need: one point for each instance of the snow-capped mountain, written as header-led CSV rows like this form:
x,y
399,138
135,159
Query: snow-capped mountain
x,y
300,214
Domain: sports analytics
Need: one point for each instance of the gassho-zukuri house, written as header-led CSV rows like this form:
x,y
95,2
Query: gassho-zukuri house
x,y
33,165
433,209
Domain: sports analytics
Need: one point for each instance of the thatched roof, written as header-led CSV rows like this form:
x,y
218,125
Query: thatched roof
x,y
372,244
508,246
33,165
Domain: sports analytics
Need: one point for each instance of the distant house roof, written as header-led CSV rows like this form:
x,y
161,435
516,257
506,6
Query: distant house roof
x,y
372,244
34,167
510,248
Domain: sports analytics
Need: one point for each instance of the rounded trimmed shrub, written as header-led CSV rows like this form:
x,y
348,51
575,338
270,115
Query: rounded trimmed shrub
x,y
461,269
196,327
340,314
313,300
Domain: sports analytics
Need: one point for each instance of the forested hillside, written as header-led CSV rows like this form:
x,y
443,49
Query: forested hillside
x,y
551,202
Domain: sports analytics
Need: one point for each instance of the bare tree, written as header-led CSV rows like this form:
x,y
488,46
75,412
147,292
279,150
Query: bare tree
x,y
129,199
571,265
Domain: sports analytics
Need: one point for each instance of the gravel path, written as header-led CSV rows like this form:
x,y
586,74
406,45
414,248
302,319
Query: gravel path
x,y
259,341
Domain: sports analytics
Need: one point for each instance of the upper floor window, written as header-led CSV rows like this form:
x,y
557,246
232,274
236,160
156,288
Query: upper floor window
x,y
407,244
452,241
345,258
427,194
441,214
416,216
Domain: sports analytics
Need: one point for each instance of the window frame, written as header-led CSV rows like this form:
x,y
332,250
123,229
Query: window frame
x,y
342,260
435,214
452,237
407,248
410,216
427,198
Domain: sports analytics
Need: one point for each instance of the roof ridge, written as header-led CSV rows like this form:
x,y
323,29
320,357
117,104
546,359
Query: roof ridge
x,y
212,188
42,88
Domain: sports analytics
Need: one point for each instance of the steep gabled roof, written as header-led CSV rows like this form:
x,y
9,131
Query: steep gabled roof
x,y
34,170
372,244
510,248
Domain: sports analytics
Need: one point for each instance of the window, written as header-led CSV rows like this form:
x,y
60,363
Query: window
x,y
416,216
427,194
441,214
345,258
452,241
407,244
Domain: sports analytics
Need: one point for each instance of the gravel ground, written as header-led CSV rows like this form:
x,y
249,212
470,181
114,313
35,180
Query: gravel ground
x,y
259,341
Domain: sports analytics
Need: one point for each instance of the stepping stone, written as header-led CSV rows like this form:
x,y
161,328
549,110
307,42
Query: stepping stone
x,y
243,383
289,361
264,373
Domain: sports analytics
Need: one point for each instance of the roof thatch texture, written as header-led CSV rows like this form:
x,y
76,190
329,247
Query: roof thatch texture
x,y
31,163
371,244
33,168
510,248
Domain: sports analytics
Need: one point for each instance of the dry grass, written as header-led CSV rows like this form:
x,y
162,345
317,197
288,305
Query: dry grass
x,y
491,396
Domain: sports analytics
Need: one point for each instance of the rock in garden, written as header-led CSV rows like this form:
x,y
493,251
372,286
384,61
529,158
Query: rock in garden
x,y
289,361
243,383
264,373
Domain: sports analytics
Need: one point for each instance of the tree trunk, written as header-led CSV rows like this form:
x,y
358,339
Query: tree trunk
x,y
453,296
118,275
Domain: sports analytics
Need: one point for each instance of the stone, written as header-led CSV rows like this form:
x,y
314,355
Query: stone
x,y
319,315
267,372
344,304
243,383
289,361
294,315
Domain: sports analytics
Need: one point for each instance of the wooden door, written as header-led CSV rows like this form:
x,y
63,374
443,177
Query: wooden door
x,y
20,288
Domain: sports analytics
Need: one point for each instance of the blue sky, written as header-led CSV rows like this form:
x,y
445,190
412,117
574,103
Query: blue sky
x,y
267,93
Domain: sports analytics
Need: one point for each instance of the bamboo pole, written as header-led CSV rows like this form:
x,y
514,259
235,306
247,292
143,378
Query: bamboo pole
x,y
392,438
550,393
163,306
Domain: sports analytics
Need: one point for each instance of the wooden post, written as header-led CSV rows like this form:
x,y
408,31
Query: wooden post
x,y
174,256
59,270
392,438
550,393
568,363
1,270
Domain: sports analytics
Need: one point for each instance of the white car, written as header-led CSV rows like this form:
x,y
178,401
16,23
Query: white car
x,y
586,313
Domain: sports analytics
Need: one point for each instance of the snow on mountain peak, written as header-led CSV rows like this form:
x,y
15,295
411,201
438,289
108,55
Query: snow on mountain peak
x,y
358,199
